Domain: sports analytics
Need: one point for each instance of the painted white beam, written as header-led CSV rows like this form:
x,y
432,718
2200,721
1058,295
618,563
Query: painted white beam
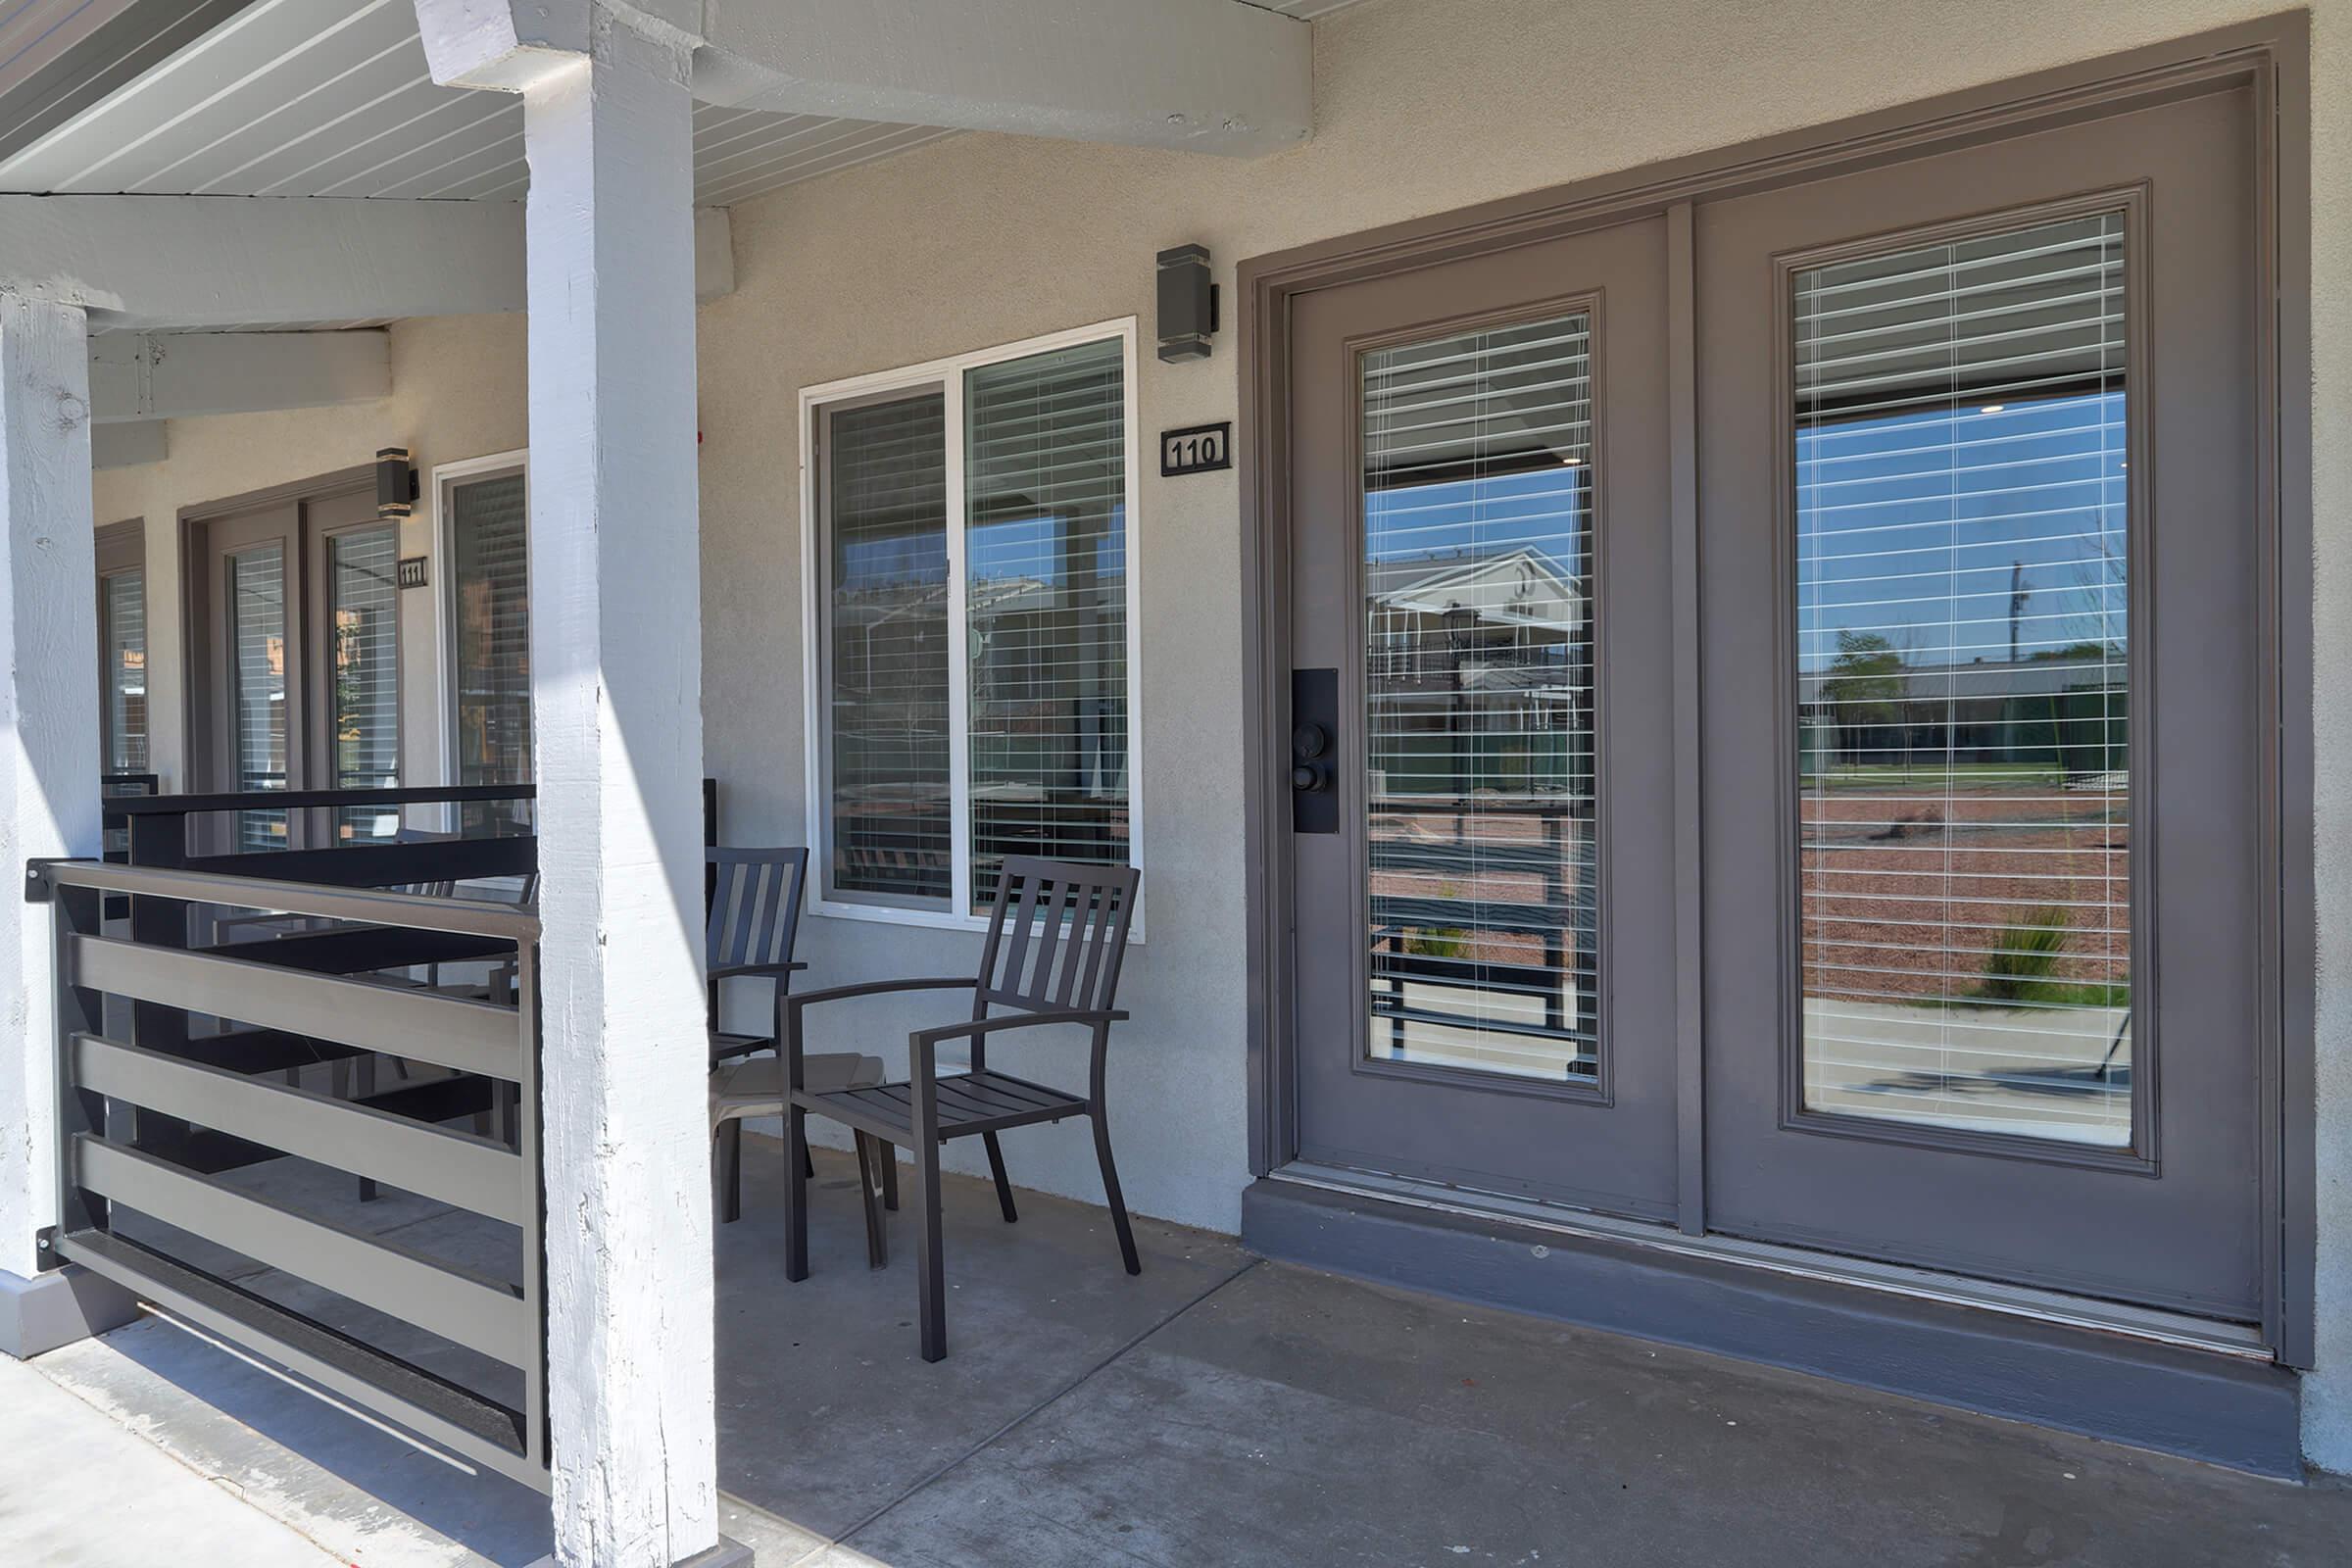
x,y
124,444
195,261
618,731
178,375
227,260
1206,75
48,719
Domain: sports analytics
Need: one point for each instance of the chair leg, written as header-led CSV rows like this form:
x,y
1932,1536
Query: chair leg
x,y
890,1177
1110,1192
807,1165
366,1091
877,1240
730,1170
796,1192
930,1283
996,1168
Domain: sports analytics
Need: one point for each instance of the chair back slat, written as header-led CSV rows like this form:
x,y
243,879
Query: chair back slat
x,y
1057,935
755,905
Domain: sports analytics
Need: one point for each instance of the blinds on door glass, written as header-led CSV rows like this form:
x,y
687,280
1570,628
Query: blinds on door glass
x,y
490,587
1963,607
1478,484
363,671
257,610
124,606
1045,581
885,634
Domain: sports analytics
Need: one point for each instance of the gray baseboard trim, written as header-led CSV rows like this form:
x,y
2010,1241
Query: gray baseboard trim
x,y
41,1313
2222,1409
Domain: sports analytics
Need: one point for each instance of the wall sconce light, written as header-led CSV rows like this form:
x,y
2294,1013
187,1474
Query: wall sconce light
x,y
396,488
1187,304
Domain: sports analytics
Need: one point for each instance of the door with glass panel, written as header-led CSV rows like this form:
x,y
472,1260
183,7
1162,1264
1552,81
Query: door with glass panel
x,y
1479,619
353,667
251,615
1981,693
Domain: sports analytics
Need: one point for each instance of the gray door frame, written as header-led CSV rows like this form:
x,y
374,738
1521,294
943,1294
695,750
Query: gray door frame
x,y
2273,56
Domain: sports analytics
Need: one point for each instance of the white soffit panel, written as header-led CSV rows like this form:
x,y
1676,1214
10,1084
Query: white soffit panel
x,y
332,98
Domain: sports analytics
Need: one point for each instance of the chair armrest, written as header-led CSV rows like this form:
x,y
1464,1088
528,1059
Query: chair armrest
x,y
800,999
738,971
975,1027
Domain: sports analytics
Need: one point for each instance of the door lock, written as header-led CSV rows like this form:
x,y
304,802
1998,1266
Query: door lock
x,y
1314,721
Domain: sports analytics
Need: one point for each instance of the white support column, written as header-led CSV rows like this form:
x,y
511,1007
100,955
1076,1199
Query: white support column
x,y
49,780
617,700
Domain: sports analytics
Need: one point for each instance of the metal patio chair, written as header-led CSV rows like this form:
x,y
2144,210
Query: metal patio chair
x,y
748,930
1056,936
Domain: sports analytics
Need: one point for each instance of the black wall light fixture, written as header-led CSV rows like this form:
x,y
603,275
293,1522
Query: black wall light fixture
x,y
396,488
1187,304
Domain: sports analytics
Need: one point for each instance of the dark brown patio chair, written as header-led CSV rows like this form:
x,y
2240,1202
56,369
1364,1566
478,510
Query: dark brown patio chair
x,y
748,930
1056,936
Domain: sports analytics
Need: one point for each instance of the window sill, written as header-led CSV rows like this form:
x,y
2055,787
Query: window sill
x,y
932,919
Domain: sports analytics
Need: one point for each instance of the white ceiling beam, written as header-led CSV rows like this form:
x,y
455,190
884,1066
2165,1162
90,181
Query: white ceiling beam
x,y
230,261
179,376
1205,75
195,261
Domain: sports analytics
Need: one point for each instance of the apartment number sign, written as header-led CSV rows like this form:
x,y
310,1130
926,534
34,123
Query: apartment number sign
x,y
1196,449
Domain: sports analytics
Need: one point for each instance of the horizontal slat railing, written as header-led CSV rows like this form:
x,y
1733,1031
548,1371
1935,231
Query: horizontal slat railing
x,y
457,1168
446,1031
463,1308
156,1128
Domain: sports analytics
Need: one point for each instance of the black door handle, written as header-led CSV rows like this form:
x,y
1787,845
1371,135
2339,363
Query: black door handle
x,y
1314,723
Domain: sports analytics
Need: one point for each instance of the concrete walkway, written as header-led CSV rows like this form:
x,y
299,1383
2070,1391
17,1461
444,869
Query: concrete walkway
x,y
1216,1411
79,1490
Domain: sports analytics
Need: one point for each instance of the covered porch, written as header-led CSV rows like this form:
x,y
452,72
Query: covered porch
x,y
1623,651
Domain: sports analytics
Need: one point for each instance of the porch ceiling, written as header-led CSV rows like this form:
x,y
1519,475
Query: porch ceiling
x,y
332,98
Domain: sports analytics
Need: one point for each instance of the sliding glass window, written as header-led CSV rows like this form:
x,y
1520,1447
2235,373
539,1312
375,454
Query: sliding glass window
x,y
971,599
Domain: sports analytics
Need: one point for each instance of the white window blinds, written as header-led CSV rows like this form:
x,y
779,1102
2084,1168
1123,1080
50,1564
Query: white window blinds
x,y
1045,581
973,625
363,670
490,587
1963,674
122,613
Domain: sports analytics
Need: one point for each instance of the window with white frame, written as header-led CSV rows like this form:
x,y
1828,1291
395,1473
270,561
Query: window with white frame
x,y
971,623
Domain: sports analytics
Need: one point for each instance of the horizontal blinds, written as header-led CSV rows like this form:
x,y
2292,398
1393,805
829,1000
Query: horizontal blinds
x,y
491,584
1045,581
124,606
1963,600
1478,494
257,599
362,656
886,613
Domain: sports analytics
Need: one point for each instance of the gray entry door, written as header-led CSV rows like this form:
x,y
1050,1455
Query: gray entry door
x,y
1479,607
1984,668
247,609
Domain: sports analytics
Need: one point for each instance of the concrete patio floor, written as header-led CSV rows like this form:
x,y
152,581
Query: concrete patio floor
x,y
1222,1410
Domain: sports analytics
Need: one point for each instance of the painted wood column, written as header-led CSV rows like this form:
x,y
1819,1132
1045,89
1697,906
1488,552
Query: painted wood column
x,y
49,702
616,708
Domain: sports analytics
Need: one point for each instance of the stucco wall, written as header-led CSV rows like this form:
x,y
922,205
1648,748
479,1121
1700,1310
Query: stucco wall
x,y
1422,105
456,393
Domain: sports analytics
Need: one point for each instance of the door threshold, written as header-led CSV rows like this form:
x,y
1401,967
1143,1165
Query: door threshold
x,y
2151,1324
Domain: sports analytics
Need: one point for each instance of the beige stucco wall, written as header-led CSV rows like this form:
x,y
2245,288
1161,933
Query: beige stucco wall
x,y
456,393
1422,106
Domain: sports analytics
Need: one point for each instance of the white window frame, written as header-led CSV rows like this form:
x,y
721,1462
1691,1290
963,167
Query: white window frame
x,y
442,572
949,375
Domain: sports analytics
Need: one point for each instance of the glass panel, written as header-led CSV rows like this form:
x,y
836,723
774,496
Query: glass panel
x,y
1477,593
256,641
122,605
1963,684
490,579
886,613
363,653
1045,572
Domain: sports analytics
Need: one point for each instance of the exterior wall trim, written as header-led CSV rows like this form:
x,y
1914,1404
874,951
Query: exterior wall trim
x,y
2272,55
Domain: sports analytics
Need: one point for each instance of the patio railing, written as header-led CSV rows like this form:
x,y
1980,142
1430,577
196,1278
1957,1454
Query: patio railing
x,y
187,1073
